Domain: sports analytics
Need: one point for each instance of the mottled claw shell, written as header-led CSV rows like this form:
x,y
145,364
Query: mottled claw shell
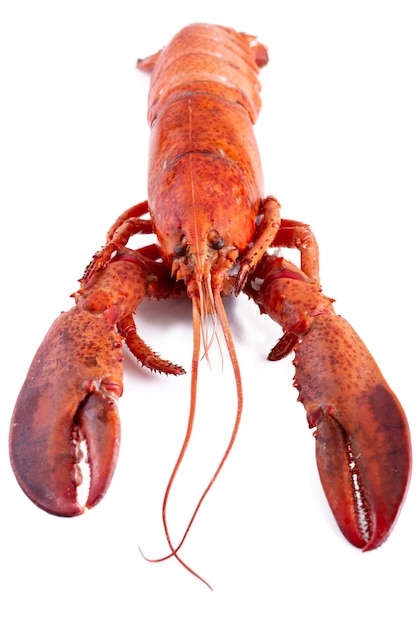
x,y
65,400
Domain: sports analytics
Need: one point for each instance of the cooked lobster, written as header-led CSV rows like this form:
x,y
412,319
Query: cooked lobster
x,y
217,234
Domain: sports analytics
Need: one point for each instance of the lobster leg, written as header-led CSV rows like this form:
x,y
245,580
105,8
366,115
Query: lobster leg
x,y
71,390
270,227
362,438
129,223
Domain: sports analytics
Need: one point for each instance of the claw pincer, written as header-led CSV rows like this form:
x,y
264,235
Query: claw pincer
x,y
363,448
71,391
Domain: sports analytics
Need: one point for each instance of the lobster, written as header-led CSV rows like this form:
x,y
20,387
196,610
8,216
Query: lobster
x,y
217,234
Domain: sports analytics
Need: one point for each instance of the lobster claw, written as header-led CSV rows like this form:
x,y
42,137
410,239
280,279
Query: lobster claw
x,y
362,437
363,446
63,402
71,390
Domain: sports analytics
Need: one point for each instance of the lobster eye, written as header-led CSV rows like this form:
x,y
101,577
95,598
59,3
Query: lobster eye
x,y
215,240
181,248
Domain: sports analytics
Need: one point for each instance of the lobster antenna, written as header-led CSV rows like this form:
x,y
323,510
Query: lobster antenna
x,y
221,314
214,316
207,310
193,396
235,364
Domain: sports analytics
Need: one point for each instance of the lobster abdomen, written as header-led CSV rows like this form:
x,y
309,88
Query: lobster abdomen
x,y
204,161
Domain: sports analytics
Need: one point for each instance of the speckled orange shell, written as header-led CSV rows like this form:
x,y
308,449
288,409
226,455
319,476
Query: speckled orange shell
x,y
204,165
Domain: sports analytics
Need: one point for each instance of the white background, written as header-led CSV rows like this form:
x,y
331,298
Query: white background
x,y
337,136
